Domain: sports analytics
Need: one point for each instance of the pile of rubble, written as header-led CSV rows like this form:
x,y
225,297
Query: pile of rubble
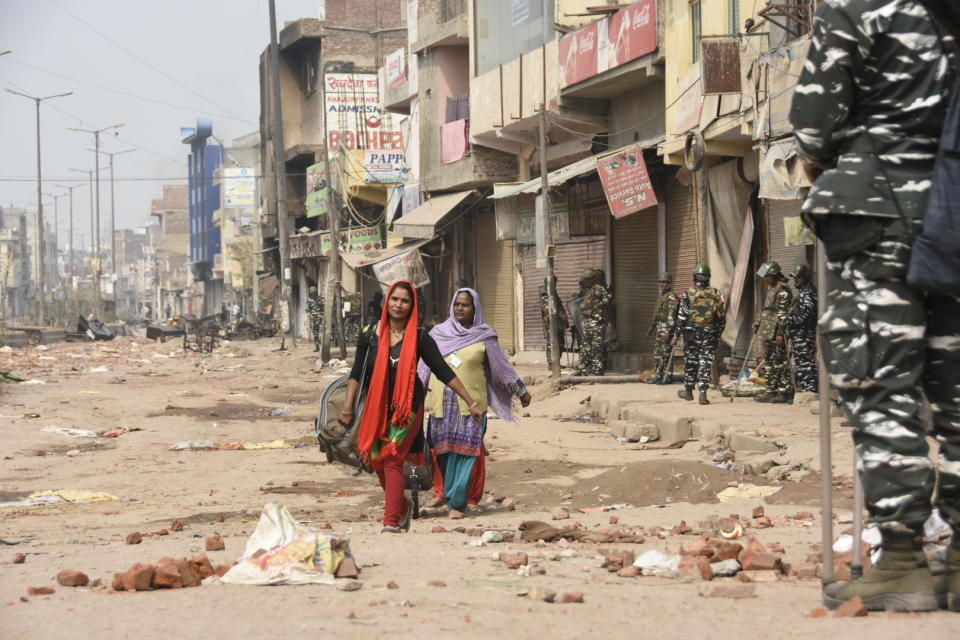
x,y
167,573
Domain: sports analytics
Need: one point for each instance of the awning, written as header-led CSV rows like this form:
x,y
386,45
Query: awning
x,y
357,260
422,221
558,177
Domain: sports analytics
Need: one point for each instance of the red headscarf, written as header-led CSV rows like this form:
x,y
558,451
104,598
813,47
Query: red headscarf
x,y
383,427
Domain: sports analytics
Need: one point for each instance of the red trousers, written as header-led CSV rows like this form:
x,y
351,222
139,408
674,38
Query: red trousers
x,y
478,478
390,473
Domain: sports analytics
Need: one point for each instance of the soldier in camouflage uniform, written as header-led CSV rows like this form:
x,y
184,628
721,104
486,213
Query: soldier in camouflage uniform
x,y
664,321
593,348
315,313
802,330
867,113
700,319
545,317
771,332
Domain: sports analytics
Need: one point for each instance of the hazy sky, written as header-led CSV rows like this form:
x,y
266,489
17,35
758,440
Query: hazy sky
x,y
210,48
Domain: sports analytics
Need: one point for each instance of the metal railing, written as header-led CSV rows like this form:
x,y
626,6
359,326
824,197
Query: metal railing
x,y
450,9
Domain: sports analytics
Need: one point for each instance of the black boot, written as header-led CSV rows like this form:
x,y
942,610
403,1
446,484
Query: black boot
x,y
685,394
900,581
767,396
703,398
780,398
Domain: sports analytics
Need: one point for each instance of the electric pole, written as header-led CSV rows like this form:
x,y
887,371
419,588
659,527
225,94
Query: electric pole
x,y
40,261
97,266
279,170
113,213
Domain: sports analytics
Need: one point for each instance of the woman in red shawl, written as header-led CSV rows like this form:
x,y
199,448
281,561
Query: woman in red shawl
x,y
392,420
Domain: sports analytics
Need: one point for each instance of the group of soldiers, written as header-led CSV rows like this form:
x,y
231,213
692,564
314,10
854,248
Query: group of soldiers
x,y
591,308
699,317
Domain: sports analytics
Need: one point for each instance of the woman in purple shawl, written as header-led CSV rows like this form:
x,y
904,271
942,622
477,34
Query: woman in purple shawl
x,y
470,346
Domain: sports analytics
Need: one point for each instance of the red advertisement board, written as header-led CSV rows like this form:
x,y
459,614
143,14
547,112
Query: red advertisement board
x,y
626,181
579,54
633,32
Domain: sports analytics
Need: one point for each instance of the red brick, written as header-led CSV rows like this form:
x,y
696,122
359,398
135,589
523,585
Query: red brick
x,y
761,562
629,572
138,578
71,578
758,576
438,529
724,550
851,609
39,591
167,576
803,570
696,566
134,538
727,590
215,543
763,522
392,585
614,519
572,597
221,570
188,573
681,529
203,566
437,583
177,525
20,558
162,532
514,560
118,582
758,512
348,569
819,612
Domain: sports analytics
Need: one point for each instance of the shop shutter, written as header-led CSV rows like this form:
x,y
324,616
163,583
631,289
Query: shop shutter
x,y
788,257
572,257
681,234
635,259
495,278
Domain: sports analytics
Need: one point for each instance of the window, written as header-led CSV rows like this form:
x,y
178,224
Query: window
x,y
733,16
308,74
696,29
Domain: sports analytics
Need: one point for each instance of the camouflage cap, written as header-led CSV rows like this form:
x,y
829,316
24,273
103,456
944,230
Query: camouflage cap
x,y
769,268
801,271
664,277
701,270
588,274
313,290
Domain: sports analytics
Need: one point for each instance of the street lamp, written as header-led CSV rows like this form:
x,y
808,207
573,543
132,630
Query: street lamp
x,y
96,262
40,275
113,217
70,188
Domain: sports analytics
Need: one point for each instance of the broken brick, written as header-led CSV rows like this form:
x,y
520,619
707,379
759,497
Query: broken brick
x,y
134,538
614,519
177,525
71,578
167,576
819,612
118,582
761,562
221,570
138,578
560,513
348,568
514,560
214,543
681,529
763,522
188,573
437,583
629,572
572,597
438,529
20,558
39,591
696,567
758,576
802,570
758,512
162,532
853,608
727,590
202,566
540,593
724,550
392,585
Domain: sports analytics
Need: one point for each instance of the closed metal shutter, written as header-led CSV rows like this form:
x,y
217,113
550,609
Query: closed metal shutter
x,y
635,277
788,257
572,257
681,234
495,278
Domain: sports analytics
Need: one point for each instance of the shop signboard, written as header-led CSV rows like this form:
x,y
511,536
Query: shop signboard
x,y
626,181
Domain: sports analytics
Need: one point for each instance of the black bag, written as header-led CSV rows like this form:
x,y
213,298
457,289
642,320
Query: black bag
x,y
935,260
338,442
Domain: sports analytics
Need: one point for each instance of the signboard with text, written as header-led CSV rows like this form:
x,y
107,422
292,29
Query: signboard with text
x,y
396,65
318,191
406,266
626,181
239,188
356,240
626,35
354,118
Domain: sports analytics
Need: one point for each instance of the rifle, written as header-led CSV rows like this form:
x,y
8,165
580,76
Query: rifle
x,y
791,363
743,366
667,376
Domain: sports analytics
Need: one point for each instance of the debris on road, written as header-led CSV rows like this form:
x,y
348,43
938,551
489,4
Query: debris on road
x,y
194,445
134,538
66,431
39,591
727,590
71,578
746,491
214,543
42,498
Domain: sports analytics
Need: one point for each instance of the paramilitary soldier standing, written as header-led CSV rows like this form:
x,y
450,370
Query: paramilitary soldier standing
x,y
771,332
315,313
701,319
664,321
802,328
868,114
545,317
593,348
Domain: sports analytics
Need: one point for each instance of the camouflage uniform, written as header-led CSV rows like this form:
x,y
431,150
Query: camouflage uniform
x,y
878,64
315,313
593,348
664,321
701,320
776,308
561,323
802,325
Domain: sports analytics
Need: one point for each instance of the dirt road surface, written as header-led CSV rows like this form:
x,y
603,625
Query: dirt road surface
x,y
556,456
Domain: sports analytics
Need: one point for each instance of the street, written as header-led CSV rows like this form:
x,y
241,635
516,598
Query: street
x,y
560,456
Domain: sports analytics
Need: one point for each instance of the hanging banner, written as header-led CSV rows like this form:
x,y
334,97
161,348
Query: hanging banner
x,y
385,167
626,181
356,240
354,118
406,266
396,65
239,188
318,191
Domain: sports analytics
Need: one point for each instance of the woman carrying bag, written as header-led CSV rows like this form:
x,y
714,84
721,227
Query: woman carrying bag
x,y
392,420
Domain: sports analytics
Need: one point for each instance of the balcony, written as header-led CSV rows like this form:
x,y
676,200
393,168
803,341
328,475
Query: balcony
x,y
446,27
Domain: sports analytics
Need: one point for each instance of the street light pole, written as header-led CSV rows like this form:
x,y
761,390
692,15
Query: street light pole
x,y
97,267
113,214
73,268
40,262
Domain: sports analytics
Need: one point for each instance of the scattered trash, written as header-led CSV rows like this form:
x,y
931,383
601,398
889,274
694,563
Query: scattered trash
x,y
12,377
657,563
42,347
116,431
67,431
6,349
253,446
746,491
733,533
488,537
844,544
735,590
606,507
285,411
33,381
99,370
283,551
193,445
43,498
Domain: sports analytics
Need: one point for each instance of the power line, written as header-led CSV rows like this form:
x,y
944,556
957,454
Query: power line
x,y
127,93
141,60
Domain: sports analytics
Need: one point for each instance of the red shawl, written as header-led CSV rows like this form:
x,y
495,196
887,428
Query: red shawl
x,y
383,426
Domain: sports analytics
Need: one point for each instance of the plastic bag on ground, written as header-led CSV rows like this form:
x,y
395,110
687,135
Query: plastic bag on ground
x,y
657,563
746,491
289,553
